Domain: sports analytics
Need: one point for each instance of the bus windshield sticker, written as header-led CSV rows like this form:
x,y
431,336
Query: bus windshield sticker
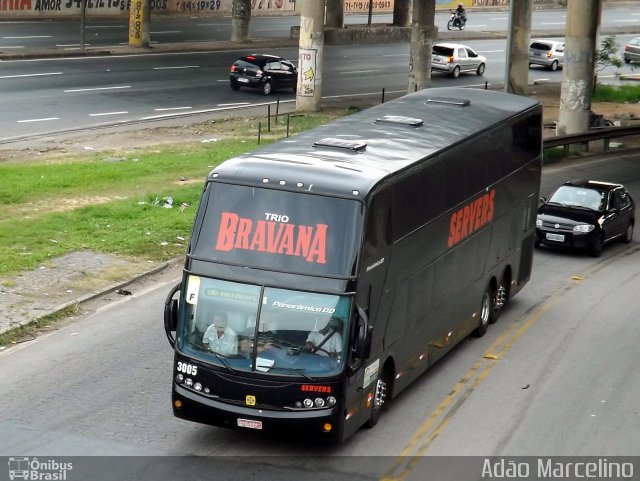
x,y
471,217
193,287
274,237
263,364
371,373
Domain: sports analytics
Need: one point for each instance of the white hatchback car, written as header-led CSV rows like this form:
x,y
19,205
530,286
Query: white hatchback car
x,y
455,58
548,53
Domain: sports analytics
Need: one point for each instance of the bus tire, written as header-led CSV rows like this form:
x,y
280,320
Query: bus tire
x,y
500,298
380,399
486,307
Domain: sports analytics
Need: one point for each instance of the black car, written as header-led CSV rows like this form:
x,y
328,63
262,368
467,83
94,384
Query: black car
x,y
264,72
586,214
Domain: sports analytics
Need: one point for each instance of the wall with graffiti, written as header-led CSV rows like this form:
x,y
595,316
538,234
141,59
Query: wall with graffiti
x,y
49,8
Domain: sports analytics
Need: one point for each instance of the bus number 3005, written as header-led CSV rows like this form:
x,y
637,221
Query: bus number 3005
x,y
185,368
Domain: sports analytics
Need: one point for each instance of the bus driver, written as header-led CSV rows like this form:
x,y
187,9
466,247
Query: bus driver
x,y
220,337
327,341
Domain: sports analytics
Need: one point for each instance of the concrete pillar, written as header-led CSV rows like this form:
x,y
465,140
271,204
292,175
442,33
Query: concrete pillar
x,y
139,23
402,13
517,69
423,33
240,18
310,52
335,14
578,70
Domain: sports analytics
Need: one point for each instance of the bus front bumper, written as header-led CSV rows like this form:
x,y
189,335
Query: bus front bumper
x,y
201,409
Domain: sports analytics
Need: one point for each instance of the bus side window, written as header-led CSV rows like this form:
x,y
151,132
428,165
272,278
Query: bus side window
x,y
378,233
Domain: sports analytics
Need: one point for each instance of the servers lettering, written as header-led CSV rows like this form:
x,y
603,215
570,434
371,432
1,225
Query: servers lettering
x,y
308,242
471,217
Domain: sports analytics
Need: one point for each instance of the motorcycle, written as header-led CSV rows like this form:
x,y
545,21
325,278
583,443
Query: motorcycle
x,y
456,21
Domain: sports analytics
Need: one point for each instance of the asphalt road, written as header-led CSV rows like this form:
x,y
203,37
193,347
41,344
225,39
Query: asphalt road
x,y
557,375
41,97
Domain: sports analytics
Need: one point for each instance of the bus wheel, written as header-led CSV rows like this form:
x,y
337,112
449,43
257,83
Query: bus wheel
x,y
379,399
485,312
500,299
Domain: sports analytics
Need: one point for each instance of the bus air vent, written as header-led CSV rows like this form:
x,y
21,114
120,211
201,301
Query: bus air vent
x,y
356,145
450,101
399,119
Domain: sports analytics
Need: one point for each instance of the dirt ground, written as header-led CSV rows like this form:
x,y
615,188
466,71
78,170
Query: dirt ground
x,y
132,138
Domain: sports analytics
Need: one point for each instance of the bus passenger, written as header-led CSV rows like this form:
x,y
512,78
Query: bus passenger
x,y
220,337
327,341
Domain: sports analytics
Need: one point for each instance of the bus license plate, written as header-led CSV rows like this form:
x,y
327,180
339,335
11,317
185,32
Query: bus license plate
x,y
555,237
249,423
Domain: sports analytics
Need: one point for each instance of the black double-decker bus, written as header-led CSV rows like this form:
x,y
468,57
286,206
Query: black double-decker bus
x,y
327,271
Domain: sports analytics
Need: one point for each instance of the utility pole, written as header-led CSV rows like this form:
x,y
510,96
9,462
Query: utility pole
x,y
139,23
402,13
310,52
517,68
335,14
423,33
240,18
578,70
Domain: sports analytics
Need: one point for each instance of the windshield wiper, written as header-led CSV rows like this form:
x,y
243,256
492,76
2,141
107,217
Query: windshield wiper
x,y
294,369
221,358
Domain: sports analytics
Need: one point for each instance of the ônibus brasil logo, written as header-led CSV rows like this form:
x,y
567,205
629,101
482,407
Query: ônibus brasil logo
x,y
41,470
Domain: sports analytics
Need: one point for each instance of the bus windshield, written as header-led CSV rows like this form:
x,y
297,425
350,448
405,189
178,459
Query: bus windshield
x,y
244,327
278,230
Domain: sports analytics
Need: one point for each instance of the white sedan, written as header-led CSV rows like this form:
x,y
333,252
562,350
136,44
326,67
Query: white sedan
x,y
455,58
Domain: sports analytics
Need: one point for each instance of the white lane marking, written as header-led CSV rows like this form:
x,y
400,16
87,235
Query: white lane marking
x,y
232,105
360,71
38,120
97,88
31,75
475,26
633,20
15,46
107,26
29,36
166,31
172,108
173,68
102,114
553,23
63,45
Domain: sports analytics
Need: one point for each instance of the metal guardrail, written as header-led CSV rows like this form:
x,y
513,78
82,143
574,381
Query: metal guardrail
x,y
599,133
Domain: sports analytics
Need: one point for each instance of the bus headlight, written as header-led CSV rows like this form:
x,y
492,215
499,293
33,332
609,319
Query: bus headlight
x,y
179,378
331,401
319,402
188,382
308,403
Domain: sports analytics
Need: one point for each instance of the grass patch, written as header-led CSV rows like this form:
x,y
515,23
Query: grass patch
x,y
613,94
554,154
114,201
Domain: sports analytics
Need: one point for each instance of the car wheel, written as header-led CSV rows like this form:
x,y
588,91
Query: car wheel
x,y
554,66
595,250
538,241
234,85
486,307
480,70
628,236
266,88
379,398
449,24
456,72
627,60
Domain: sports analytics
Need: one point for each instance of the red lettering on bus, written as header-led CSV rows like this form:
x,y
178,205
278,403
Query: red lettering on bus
x,y
471,217
309,242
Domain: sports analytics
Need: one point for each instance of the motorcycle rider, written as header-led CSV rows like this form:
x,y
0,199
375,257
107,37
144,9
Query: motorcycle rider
x,y
460,12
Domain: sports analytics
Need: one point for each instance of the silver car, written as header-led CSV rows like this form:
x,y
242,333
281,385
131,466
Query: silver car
x,y
548,53
632,50
455,58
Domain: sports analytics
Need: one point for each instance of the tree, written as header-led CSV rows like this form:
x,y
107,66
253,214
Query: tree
x,y
607,54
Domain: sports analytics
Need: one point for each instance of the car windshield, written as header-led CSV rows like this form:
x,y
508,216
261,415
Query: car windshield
x,y
444,51
244,327
571,196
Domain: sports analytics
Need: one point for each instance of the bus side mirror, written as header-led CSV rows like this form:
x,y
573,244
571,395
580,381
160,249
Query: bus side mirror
x,y
363,341
171,315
